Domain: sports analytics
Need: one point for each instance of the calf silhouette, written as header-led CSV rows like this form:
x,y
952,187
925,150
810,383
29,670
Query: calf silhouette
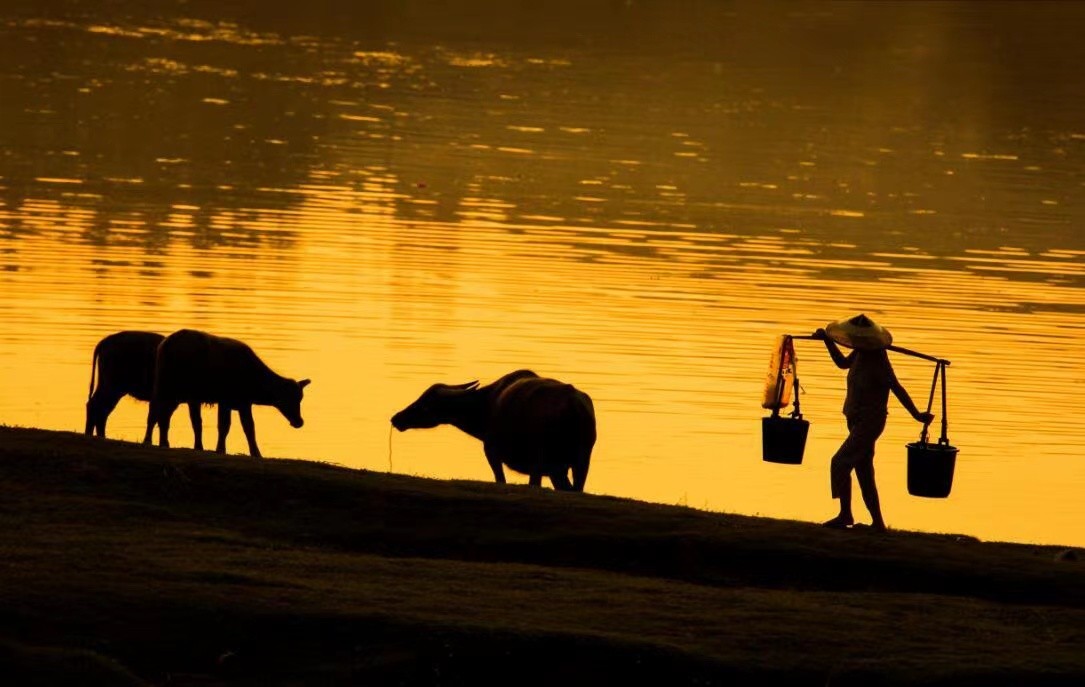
x,y
125,365
197,367
534,425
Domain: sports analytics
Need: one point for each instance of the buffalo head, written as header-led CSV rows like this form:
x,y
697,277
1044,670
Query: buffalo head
x,y
434,407
289,402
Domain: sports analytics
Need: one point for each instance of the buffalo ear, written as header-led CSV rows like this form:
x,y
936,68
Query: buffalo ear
x,y
304,383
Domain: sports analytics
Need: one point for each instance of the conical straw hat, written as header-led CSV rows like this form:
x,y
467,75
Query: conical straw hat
x,y
859,332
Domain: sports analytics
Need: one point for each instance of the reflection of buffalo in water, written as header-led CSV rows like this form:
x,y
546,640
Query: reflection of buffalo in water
x,y
534,425
125,365
196,367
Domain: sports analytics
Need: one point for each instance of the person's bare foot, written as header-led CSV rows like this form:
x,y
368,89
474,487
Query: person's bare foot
x,y
879,527
840,522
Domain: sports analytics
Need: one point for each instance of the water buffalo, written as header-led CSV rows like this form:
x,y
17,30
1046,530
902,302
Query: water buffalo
x,y
125,365
534,425
197,367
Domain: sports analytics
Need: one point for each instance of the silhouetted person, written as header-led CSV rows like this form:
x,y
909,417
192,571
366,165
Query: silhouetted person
x,y
870,379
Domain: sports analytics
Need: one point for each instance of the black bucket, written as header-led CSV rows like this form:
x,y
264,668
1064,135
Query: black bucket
x,y
783,439
930,469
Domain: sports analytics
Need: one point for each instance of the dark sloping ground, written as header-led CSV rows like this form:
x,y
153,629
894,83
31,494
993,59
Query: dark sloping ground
x,y
126,565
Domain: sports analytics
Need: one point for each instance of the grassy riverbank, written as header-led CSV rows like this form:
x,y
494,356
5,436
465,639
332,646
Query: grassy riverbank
x,y
125,565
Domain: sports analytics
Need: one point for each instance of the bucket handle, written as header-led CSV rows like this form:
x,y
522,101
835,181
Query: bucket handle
x,y
779,391
797,414
945,409
939,372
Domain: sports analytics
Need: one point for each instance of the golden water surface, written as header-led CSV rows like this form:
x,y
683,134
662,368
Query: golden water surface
x,y
636,198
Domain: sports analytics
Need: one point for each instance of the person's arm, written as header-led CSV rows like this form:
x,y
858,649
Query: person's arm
x,y
905,400
842,361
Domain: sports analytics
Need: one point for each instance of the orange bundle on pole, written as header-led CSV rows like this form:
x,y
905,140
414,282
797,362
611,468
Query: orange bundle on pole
x,y
783,439
781,375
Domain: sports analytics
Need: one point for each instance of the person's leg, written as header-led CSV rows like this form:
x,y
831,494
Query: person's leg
x,y
840,480
840,484
865,474
867,432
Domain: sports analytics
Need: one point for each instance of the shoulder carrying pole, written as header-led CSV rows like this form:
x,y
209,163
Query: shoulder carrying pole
x,y
898,349
941,361
940,365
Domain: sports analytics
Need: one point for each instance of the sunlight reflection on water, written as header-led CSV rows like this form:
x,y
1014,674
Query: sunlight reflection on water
x,y
382,212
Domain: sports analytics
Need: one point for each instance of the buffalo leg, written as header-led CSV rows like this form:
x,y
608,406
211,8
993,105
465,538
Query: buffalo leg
x,y
162,412
224,427
495,465
580,472
535,480
560,480
99,406
249,426
150,425
197,424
